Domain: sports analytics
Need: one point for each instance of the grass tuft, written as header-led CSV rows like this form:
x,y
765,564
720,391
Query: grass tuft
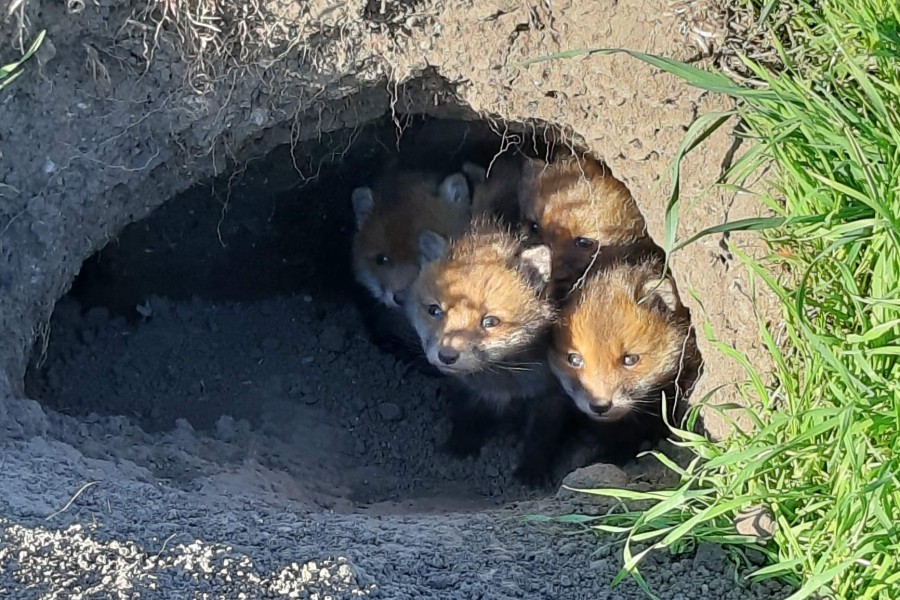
x,y
824,457
10,72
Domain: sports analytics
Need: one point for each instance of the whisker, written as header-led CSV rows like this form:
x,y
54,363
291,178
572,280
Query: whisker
x,y
512,368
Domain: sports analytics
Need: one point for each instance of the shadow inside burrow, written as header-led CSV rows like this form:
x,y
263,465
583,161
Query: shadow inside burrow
x,y
228,322
232,310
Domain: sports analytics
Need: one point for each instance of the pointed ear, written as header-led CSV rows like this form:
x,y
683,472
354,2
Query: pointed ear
x,y
535,264
431,247
455,189
660,295
363,203
528,181
475,173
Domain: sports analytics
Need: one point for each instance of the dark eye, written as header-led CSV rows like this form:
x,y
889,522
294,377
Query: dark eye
x,y
575,360
585,243
629,360
381,259
533,227
490,321
435,311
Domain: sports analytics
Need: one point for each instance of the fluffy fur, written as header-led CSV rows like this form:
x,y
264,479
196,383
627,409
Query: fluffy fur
x,y
567,202
389,219
495,188
624,338
480,299
487,272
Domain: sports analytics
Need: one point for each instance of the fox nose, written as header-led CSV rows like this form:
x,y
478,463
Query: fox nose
x,y
448,356
599,409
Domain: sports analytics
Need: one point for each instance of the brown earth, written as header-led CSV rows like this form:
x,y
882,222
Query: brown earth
x,y
127,105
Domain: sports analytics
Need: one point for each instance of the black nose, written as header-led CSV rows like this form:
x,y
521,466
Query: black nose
x,y
448,356
599,409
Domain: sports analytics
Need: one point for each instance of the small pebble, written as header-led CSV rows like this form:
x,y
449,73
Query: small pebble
x,y
357,404
710,556
333,339
390,411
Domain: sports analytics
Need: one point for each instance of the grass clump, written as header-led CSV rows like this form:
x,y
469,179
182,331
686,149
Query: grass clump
x,y
10,72
824,458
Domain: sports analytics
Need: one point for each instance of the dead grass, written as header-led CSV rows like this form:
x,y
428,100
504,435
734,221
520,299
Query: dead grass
x,y
726,33
214,37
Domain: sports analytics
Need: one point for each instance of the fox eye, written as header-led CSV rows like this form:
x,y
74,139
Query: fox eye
x,y
585,243
381,259
435,311
629,360
533,227
575,360
490,321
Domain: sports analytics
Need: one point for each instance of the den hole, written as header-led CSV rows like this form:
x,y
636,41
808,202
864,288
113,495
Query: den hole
x,y
230,317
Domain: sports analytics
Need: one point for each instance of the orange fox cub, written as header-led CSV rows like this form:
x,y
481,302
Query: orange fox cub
x,y
481,317
577,208
478,309
622,339
389,219
495,188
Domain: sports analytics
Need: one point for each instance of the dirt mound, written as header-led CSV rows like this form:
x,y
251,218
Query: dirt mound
x,y
126,106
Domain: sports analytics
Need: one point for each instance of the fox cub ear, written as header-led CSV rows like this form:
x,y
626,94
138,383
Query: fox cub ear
x,y
363,203
660,295
534,264
431,247
455,189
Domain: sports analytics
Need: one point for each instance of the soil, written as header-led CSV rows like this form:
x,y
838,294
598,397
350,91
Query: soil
x,y
232,311
203,412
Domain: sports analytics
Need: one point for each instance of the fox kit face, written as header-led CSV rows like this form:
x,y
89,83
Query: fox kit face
x,y
477,303
576,208
389,220
620,340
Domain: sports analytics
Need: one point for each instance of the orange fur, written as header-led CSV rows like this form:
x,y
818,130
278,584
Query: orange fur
x,y
479,276
621,311
405,205
573,199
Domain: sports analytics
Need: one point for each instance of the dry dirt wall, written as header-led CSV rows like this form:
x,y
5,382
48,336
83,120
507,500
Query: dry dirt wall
x,y
129,103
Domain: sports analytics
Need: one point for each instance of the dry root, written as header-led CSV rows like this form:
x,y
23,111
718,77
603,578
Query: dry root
x,y
724,30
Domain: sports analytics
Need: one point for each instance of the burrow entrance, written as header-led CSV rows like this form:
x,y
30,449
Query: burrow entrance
x,y
227,324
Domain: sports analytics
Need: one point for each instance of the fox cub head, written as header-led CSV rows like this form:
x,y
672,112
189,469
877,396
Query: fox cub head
x,y
478,302
577,208
389,219
621,339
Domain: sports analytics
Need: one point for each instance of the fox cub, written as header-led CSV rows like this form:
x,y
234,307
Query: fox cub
x,y
577,208
482,319
623,339
389,218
